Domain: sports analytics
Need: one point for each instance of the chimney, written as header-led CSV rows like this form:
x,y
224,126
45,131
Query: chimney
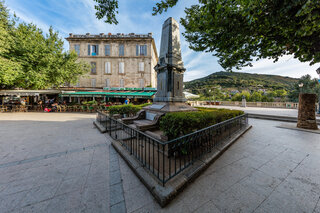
x,y
70,35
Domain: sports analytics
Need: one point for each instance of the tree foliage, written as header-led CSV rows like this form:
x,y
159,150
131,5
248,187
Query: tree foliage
x,y
31,60
9,69
240,31
107,9
309,86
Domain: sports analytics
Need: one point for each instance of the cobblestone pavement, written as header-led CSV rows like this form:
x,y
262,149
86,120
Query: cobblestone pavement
x,y
51,162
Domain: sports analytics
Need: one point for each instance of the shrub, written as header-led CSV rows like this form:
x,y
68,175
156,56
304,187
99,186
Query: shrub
x,y
143,105
128,109
177,124
90,102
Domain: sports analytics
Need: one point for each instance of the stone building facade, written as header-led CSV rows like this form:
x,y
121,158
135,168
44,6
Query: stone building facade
x,y
117,60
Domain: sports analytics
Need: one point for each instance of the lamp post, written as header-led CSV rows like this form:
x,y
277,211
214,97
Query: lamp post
x,y
300,86
318,72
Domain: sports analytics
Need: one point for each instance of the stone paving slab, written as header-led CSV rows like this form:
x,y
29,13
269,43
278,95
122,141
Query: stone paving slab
x,y
269,169
248,176
62,168
294,127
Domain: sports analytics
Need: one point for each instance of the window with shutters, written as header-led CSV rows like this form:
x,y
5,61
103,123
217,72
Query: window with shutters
x,y
121,50
93,68
141,66
107,68
107,82
141,83
121,83
93,50
93,82
107,50
141,50
121,67
77,48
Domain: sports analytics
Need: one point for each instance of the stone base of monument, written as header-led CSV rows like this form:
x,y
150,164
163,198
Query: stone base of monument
x,y
164,194
307,111
149,117
169,107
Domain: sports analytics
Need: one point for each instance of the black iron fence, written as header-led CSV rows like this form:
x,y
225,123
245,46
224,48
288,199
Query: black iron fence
x,y
167,159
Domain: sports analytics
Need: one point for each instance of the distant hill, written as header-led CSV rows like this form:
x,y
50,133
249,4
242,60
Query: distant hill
x,y
241,81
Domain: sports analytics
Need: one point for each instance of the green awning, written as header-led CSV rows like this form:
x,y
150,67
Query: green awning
x,y
109,94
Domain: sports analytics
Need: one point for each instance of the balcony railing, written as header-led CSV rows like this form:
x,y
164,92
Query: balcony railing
x,y
118,35
167,159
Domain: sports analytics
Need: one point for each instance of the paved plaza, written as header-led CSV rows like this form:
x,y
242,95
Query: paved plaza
x,y
264,111
57,162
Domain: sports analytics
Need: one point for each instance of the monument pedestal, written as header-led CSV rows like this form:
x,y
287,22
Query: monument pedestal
x,y
169,107
169,96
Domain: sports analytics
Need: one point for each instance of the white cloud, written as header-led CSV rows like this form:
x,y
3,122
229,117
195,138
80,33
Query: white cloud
x,y
78,17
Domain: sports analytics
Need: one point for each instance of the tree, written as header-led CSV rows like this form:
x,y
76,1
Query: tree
x,y
31,60
240,31
43,60
309,86
9,70
256,96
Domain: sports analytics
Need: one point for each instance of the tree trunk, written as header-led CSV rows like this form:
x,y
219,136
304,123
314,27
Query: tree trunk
x,y
307,111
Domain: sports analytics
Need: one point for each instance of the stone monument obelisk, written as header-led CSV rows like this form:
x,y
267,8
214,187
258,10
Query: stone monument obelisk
x,y
170,69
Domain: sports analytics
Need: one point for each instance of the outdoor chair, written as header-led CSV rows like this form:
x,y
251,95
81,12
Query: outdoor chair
x,y
90,109
83,108
3,109
63,108
74,108
23,109
69,108
14,109
59,108
78,108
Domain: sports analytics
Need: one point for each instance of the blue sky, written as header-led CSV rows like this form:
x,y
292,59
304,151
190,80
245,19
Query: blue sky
x,y
78,17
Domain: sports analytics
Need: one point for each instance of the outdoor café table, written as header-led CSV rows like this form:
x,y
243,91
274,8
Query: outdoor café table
x,y
14,108
75,108
69,108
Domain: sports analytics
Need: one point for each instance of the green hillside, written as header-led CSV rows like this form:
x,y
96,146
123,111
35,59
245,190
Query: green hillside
x,y
240,81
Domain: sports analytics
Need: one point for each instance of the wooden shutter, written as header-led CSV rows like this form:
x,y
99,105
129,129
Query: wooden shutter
x,y
141,82
93,82
137,50
145,50
97,49
107,67
141,66
121,67
107,50
89,50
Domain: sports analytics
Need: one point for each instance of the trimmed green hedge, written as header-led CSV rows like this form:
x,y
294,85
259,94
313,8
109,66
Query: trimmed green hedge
x,y
177,124
128,109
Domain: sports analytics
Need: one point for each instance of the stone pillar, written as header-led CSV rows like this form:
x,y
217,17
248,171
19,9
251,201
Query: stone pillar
x,y
307,111
170,67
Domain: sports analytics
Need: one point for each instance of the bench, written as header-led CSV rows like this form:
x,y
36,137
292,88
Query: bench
x,y
144,120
